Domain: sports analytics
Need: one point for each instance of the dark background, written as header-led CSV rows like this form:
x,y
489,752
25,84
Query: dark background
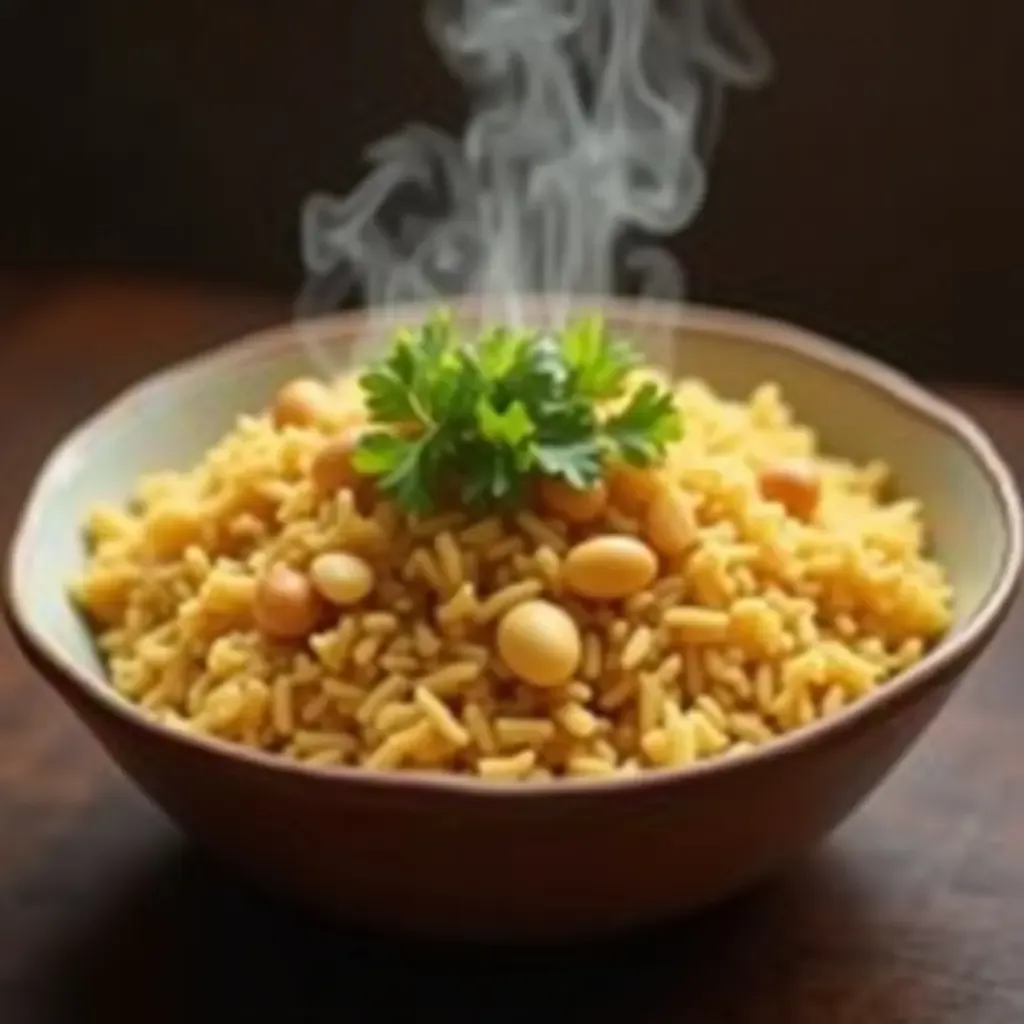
x,y
872,190
152,160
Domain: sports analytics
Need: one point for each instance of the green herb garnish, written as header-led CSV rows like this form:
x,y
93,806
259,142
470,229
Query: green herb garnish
x,y
476,421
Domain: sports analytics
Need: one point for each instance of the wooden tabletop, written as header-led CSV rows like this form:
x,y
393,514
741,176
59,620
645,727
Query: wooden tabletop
x,y
913,913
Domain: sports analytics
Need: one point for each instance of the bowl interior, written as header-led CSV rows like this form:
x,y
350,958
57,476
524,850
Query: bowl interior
x,y
860,410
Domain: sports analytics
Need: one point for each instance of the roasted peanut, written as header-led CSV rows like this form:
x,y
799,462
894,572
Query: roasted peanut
x,y
300,403
285,605
341,578
332,468
793,483
572,505
631,488
610,567
540,643
671,526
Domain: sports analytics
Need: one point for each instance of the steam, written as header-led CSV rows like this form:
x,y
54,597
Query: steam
x,y
592,127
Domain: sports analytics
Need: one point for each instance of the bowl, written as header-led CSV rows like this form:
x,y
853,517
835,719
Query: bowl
x,y
450,857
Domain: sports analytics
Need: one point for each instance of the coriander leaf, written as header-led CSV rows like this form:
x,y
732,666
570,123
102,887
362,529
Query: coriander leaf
x,y
379,453
598,362
496,414
388,397
510,427
436,338
413,481
399,388
537,376
641,432
441,389
423,362
566,420
495,479
576,462
428,383
404,358
497,353
456,404
405,467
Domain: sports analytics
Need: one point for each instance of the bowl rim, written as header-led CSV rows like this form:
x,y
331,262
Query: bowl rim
x,y
269,343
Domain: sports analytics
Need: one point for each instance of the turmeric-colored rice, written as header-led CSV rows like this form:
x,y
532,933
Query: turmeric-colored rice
x,y
768,622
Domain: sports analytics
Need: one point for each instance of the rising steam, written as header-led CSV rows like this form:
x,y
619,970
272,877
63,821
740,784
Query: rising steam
x,y
590,136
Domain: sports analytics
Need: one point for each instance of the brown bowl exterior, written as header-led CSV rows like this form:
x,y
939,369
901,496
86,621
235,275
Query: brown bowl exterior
x,y
461,864
453,858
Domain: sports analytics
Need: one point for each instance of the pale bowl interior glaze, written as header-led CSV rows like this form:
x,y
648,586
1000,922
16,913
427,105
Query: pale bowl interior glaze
x,y
860,409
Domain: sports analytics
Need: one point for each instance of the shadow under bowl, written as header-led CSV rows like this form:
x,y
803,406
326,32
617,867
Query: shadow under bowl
x,y
450,857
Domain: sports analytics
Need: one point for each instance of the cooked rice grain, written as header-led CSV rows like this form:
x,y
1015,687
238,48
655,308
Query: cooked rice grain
x,y
768,624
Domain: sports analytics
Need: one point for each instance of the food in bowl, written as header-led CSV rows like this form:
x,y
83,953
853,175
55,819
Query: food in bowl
x,y
517,556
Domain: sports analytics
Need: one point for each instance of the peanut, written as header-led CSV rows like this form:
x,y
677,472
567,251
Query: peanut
x,y
671,526
300,403
609,567
793,483
632,488
572,505
341,578
332,468
285,605
540,643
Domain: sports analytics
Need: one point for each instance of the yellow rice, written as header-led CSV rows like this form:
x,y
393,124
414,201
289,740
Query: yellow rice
x,y
767,625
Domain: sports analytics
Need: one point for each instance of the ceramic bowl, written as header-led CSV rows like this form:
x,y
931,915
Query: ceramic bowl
x,y
451,857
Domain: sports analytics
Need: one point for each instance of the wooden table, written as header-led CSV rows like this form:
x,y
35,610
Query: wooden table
x,y
912,913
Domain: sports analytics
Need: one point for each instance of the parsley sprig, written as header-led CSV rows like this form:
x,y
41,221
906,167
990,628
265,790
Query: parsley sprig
x,y
476,421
